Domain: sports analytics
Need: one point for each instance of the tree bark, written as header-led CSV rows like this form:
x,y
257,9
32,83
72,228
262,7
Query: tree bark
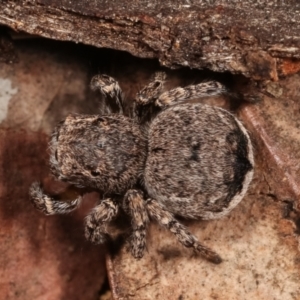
x,y
259,39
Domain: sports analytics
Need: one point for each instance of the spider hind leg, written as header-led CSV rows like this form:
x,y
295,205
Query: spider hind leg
x,y
167,220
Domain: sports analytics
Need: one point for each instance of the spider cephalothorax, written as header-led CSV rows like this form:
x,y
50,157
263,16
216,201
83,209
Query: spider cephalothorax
x,y
192,160
108,152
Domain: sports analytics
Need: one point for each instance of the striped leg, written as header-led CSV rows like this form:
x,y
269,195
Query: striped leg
x,y
47,204
146,97
134,205
151,91
109,88
97,220
177,95
167,220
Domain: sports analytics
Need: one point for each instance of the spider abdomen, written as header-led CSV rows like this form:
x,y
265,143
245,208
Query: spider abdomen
x,y
200,160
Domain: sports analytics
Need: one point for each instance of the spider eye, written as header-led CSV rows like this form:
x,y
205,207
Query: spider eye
x,y
156,84
95,173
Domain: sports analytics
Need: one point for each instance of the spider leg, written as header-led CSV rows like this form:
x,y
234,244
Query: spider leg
x,y
134,205
177,95
158,212
109,88
47,204
151,91
147,96
97,220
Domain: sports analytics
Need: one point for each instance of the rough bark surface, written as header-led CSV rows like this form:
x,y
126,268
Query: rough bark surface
x,y
259,240
275,128
261,260
259,39
47,257
41,257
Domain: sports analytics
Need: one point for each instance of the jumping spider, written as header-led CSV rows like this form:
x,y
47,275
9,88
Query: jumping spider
x,y
192,160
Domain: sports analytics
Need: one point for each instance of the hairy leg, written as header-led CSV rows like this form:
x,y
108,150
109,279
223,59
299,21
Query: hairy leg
x,y
145,98
97,220
134,205
167,220
177,95
151,91
47,204
109,88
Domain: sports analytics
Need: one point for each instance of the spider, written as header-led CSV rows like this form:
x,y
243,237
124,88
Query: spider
x,y
190,160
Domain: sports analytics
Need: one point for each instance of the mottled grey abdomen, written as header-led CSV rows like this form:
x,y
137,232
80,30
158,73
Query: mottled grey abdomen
x,y
200,160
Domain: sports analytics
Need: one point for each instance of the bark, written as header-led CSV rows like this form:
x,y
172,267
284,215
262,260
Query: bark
x,y
259,39
256,38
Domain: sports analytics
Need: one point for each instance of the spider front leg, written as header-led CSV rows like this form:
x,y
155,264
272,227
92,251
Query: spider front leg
x,y
49,205
134,205
151,91
177,95
97,220
148,95
158,212
110,89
